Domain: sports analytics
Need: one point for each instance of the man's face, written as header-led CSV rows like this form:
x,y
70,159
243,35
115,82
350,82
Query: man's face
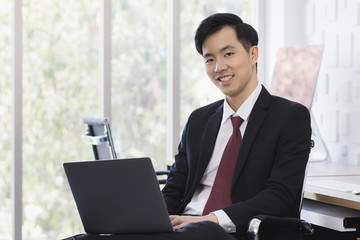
x,y
229,66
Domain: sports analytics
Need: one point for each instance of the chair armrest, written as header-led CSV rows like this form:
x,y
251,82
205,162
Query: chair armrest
x,y
282,226
162,172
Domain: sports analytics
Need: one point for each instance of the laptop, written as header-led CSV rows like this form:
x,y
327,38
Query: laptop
x,y
118,196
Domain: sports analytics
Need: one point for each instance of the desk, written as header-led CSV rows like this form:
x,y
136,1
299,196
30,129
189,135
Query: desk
x,y
328,208
344,199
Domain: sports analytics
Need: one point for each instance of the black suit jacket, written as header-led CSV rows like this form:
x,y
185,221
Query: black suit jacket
x,y
269,173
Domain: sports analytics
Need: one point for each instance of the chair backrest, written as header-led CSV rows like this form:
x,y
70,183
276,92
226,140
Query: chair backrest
x,y
98,134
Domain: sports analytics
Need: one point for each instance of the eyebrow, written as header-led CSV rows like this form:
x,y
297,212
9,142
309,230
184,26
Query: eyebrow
x,y
221,50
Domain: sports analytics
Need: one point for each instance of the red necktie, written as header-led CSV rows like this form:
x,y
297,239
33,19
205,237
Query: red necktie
x,y
220,192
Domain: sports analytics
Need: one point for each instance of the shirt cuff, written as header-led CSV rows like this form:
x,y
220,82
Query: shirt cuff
x,y
225,222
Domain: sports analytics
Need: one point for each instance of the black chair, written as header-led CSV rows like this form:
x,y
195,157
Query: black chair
x,y
98,134
263,227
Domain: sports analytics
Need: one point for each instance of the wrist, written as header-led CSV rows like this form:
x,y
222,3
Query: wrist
x,y
212,217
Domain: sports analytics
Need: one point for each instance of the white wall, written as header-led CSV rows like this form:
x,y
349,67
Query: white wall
x,y
283,27
336,25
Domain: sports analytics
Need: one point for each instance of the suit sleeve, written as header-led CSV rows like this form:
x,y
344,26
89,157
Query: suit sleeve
x,y
283,186
173,192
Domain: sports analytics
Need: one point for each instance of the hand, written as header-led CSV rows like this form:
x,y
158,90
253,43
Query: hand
x,y
181,221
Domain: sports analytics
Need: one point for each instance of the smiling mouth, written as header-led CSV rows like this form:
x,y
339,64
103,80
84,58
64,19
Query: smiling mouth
x,y
225,78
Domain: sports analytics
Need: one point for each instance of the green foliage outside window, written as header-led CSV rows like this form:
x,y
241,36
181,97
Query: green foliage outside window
x,y
60,86
139,79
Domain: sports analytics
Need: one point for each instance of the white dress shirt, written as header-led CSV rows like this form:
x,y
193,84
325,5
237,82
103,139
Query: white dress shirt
x,y
197,204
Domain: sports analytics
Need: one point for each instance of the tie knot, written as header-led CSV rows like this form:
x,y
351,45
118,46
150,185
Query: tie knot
x,y
236,122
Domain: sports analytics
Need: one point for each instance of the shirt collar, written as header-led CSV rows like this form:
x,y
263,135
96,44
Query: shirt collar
x,y
245,109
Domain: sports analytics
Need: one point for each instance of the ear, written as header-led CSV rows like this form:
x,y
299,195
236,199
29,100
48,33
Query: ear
x,y
254,53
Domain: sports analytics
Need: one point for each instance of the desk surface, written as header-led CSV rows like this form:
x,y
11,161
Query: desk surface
x,y
323,169
333,171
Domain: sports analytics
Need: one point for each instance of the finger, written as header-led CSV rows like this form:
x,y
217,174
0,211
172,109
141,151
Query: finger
x,y
181,225
176,221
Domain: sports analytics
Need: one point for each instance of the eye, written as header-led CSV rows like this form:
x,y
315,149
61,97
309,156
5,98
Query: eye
x,y
209,60
228,54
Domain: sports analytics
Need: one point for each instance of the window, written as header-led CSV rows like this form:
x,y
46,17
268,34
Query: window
x,y
139,79
60,78
60,82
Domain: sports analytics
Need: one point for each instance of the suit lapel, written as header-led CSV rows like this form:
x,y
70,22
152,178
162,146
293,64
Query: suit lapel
x,y
208,143
257,117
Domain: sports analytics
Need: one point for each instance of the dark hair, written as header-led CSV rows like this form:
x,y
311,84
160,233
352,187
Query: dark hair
x,y
246,34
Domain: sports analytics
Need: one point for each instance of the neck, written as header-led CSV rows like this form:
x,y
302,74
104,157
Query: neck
x,y
235,102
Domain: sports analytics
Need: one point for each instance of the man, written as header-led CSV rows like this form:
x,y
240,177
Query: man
x,y
269,171
269,149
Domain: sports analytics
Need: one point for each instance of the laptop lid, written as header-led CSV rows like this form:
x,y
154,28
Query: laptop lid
x,y
118,196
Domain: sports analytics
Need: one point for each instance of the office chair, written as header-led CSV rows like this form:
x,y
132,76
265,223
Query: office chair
x,y
99,135
265,227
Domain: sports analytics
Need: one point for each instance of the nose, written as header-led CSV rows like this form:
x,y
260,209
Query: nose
x,y
220,66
